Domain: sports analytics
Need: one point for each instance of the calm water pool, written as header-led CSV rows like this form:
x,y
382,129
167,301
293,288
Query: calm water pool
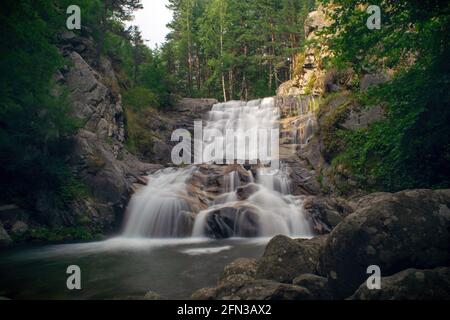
x,y
120,268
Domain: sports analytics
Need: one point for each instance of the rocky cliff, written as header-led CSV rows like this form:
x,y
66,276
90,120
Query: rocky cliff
x,y
98,158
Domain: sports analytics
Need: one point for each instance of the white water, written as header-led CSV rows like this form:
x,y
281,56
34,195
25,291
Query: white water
x,y
239,119
159,210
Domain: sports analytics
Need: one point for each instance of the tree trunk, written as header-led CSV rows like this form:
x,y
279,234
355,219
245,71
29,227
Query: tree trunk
x,y
221,58
102,31
231,83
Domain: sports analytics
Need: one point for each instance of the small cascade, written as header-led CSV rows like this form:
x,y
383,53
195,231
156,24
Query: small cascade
x,y
238,118
160,209
231,182
277,181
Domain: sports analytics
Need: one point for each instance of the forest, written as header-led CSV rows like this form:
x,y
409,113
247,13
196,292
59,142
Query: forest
x,y
228,50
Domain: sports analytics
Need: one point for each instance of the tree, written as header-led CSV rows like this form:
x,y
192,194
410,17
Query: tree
x,y
411,148
119,10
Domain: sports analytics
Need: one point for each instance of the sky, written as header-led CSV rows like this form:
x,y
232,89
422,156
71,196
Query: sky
x,y
152,21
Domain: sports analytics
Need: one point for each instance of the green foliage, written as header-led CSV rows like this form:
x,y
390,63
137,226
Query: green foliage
x,y
410,149
35,125
233,49
41,234
139,98
140,137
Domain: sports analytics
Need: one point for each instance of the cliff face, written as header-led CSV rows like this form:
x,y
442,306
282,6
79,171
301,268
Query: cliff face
x,y
309,73
98,158
315,103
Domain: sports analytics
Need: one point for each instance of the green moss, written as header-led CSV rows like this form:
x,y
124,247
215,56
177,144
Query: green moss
x,y
331,118
310,85
63,234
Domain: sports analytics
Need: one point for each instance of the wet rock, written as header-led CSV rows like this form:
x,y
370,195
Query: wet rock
x,y
286,258
325,213
408,229
184,224
243,193
316,285
410,284
237,221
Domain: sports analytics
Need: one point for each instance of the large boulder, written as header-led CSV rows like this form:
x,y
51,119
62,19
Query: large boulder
x,y
325,213
316,285
232,221
242,287
243,266
286,258
409,229
410,284
316,20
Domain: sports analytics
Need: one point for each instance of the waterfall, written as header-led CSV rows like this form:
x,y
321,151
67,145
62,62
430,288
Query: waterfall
x,y
231,182
239,118
160,209
260,205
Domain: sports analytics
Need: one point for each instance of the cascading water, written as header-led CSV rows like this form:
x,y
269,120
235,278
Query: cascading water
x,y
238,118
161,208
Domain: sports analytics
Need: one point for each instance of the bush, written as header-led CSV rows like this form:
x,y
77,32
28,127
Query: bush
x,y
140,98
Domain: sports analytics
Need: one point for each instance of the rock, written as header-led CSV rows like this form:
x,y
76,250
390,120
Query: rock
x,y
315,20
286,258
5,239
99,158
237,221
370,80
243,266
243,193
241,287
336,80
19,228
325,213
316,285
153,296
204,294
161,151
360,119
410,284
408,229
195,105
